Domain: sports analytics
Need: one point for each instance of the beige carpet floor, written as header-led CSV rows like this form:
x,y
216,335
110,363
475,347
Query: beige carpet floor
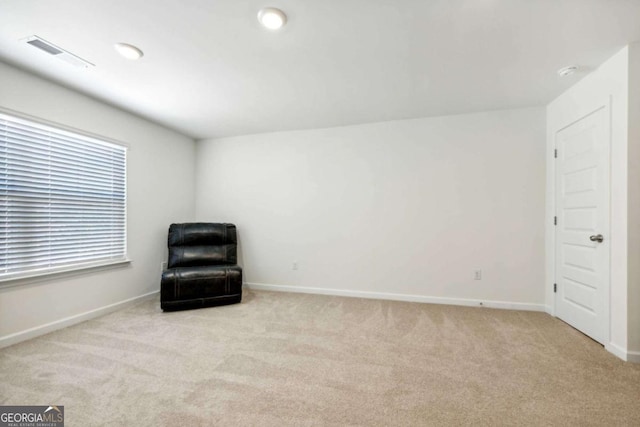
x,y
283,359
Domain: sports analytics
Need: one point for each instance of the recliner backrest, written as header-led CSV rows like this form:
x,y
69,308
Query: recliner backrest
x,y
201,243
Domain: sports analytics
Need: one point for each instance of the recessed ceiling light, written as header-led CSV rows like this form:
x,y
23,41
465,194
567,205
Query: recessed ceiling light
x,y
567,71
128,51
272,18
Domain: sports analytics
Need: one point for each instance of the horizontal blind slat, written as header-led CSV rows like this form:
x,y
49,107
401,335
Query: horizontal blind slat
x,y
52,162
63,252
56,143
44,131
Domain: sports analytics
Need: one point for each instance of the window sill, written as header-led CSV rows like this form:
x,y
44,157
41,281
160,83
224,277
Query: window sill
x,y
70,271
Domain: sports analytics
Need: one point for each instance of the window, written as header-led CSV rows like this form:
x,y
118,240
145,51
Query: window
x,y
62,200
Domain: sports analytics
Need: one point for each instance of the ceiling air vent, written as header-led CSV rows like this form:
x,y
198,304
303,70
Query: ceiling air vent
x,y
58,52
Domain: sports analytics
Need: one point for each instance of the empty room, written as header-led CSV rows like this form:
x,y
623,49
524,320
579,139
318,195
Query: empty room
x,y
319,213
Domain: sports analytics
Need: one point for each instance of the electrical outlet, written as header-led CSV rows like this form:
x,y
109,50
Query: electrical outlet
x,y
477,275
294,265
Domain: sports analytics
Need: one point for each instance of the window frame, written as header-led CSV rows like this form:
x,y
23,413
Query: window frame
x,y
86,267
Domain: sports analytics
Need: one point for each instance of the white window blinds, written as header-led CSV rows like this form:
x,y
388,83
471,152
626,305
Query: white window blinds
x,y
62,200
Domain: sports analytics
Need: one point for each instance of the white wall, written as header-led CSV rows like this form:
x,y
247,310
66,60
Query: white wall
x,y
394,209
609,83
160,183
634,200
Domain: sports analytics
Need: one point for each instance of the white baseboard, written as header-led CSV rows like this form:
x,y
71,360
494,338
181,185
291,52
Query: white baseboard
x,y
398,297
616,351
633,356
626,355
71,320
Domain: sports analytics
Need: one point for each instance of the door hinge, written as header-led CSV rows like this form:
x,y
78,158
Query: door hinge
x,y
555,153
555,288
555,220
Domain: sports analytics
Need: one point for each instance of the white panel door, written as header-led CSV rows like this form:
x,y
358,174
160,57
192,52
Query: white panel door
x,y
582,209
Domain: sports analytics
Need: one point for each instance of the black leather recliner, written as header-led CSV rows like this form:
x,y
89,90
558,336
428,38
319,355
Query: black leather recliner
x,y
202,270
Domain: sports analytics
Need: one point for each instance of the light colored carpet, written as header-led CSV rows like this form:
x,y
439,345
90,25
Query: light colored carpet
x,y
296,360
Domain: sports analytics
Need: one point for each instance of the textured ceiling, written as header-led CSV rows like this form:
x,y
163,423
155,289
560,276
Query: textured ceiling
x,y
210,70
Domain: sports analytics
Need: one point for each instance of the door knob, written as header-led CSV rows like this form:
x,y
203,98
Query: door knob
x,y
597,238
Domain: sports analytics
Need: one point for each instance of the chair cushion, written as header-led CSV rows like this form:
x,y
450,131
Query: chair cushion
x,y
194,256
200,244
202,233
200,282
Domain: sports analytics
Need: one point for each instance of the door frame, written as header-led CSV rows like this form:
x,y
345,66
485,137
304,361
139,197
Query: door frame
x,y
553,129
